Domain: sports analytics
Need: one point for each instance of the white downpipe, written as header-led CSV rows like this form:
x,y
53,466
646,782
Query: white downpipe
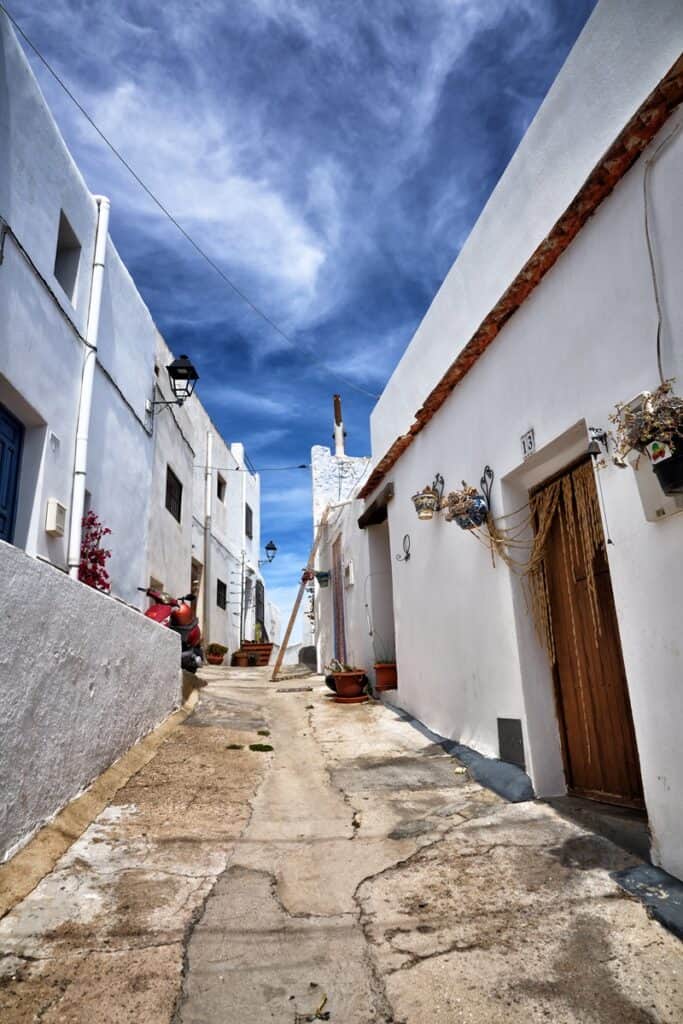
x,y
208,506
87,382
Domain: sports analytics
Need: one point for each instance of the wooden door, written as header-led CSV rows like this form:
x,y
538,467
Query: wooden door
x,y
338,602
11,435
596,726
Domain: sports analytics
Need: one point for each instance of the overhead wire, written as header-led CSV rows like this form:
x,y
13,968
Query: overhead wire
x,y
167,213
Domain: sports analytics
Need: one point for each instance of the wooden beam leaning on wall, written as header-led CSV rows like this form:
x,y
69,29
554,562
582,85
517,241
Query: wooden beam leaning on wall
x,y
302,586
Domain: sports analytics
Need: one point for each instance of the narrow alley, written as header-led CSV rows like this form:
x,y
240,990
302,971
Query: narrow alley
x,y
284,858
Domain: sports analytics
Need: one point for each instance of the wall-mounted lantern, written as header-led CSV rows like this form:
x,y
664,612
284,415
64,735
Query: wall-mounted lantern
x,y
271,551
470,508
182,377
428,501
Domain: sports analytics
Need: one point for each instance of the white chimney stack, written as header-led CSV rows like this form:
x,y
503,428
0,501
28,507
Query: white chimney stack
x,y
338,428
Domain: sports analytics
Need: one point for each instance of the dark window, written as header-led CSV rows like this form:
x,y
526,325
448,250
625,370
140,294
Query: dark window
x,y
67,257
174,494
221,594
220,488
248,522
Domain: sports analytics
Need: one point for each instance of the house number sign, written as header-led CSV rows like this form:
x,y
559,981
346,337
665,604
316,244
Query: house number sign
x,y
528,443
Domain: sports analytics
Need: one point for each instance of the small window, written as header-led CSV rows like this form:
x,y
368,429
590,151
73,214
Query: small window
x,y
220,488
174,494
67,258
221,594
248,522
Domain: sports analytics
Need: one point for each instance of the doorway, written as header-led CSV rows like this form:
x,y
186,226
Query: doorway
x,y
11,438
338,602
593,708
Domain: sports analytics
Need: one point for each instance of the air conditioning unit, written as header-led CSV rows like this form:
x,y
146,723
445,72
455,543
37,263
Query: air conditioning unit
x,y
55,518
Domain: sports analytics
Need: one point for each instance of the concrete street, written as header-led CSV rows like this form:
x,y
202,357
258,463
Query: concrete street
x,y
353,874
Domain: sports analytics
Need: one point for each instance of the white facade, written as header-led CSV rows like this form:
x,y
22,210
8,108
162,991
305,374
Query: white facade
x,y
45,295
83,679
583,340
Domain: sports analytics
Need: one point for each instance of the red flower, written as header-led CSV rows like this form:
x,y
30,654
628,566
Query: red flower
x,y
91,570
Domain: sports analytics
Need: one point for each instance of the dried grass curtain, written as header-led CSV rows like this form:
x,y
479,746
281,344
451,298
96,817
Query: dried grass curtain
x,y
573,498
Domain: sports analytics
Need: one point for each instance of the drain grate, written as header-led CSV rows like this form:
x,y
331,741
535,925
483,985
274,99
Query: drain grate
x,y
294,689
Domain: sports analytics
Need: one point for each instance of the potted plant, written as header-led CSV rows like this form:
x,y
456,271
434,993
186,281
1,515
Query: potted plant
x,y
426,502
215,653
654,426
467,507
323,578
349,682
241,659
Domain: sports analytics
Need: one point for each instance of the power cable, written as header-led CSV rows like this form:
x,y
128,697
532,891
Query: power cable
x,y
195,245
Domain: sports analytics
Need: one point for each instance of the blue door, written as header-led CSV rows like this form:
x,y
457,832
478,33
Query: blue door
x,y
11,436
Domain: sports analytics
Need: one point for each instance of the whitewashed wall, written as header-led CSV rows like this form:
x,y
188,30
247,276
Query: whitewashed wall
x,y
584,340
78,689
41,354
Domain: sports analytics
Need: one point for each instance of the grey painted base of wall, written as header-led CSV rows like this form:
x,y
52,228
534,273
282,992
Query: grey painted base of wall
x,y
661,893
507,780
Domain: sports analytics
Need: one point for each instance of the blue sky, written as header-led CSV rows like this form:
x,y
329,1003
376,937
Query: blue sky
x,y
331,157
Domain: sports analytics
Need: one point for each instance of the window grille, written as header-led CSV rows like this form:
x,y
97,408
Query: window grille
x,y
174,494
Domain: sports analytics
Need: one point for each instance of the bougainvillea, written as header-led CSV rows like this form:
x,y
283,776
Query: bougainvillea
x,y
92,569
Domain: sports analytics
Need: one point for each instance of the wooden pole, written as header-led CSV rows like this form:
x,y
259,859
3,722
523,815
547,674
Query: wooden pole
x,y
299,596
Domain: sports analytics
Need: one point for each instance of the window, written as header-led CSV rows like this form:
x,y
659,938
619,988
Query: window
x,y
67,257
174,494
221,594
248,522
220,488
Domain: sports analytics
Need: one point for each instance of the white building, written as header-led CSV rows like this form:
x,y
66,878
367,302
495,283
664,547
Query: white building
x,y
546,321
84,674
142,467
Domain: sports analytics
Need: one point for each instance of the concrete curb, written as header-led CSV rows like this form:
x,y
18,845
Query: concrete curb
x,y
503,778
20,875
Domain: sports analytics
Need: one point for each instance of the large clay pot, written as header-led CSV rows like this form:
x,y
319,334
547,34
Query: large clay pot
x,y
349,684
385,675
241,659
215,659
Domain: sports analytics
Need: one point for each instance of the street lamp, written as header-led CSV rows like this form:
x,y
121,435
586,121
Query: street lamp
x,y
182,377
271,551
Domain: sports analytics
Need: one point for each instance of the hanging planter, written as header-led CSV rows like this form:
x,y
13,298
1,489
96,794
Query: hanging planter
x,y
654,426
469,508
323,579
428,500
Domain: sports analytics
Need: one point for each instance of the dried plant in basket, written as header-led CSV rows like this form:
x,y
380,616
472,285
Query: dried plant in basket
x,y
659,418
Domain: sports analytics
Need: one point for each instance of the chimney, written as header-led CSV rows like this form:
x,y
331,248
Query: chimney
x,y
339,432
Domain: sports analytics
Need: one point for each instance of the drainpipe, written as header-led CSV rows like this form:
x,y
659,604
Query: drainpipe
x,y
339,432
208,504
87,382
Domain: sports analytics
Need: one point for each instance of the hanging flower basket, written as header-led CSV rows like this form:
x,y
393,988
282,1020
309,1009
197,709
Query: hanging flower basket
x,y
307,576
655,427
467,507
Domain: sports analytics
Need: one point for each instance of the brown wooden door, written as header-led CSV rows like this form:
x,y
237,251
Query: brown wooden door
x,y
596,726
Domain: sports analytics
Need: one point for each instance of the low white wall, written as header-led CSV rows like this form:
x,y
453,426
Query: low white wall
x,y
83,679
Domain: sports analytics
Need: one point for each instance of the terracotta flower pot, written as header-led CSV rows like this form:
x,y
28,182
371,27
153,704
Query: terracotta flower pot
x,y
385,675
215,659
241,660
349,684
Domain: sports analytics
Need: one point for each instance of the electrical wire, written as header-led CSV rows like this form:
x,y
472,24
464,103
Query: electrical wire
x,y
653,270
195,245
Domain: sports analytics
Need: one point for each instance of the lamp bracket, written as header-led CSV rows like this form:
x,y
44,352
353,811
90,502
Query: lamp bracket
x,y
486,483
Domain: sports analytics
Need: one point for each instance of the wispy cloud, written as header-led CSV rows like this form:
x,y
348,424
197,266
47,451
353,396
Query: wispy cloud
x,y
332,161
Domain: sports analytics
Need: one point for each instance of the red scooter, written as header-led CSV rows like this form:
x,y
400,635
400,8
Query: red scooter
x,y
179,615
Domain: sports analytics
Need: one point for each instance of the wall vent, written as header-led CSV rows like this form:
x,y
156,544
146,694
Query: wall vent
x,y
55,518
511,742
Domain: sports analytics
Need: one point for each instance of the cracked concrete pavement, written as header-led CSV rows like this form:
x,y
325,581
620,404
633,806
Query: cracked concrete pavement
x,y
351,874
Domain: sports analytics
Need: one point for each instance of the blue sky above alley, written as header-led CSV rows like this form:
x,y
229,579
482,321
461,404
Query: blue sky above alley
x,y
331,157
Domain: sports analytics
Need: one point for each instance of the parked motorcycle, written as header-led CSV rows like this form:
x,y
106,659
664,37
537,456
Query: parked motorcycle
x,y
179,615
